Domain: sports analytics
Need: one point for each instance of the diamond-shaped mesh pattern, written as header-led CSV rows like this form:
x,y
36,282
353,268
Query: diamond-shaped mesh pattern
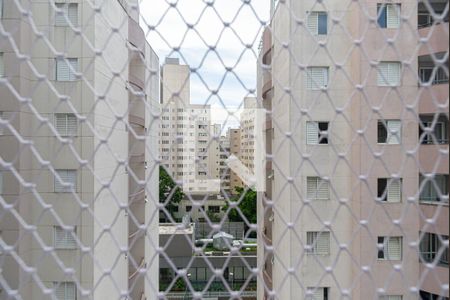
x,y
224,149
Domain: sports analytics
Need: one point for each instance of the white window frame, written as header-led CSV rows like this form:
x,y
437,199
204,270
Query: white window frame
x,y
66,14
67,288
71,66
64,239
321,188
385,247
313,22
317,293
389,68
314,135
313,84
66,124
393,188
318,243
65,174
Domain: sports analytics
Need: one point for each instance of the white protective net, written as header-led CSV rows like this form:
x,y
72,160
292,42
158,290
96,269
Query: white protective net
x,y
224,149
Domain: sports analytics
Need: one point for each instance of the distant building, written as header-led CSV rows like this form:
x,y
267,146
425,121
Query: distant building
x,y
187,148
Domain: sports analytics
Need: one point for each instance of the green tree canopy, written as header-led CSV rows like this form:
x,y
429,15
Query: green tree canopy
x,y
169,193
247,206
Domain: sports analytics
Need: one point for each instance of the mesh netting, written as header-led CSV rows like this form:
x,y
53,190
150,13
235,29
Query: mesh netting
x,y
224,149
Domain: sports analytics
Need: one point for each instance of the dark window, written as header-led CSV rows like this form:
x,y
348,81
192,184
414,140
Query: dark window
x,y
381,188
382,15
432,248
214,209
433,131
429,296
188,208
380,246
322,23
382,133
434,189
323,132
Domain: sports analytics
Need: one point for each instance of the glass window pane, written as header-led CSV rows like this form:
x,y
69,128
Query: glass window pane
x,y
322,23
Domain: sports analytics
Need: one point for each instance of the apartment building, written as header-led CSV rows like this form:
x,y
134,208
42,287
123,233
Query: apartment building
x,y
76,138
224,148
234,135
356,203
186,145
247,140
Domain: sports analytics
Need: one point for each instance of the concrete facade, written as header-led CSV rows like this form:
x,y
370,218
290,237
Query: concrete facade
x,y
110,97
352,161
187,148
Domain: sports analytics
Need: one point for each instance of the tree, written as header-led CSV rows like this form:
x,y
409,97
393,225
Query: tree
x,y
169,192
247,206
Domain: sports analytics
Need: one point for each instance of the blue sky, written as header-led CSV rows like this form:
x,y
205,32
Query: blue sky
x,y
208,29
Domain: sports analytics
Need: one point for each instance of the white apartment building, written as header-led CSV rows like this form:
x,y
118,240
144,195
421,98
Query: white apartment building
x,y
342,216
186,145
76,156
247,140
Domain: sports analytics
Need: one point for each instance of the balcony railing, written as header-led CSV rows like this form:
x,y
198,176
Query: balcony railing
x,y
425,74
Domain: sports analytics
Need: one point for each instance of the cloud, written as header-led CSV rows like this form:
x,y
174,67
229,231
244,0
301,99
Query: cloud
x,y
210,36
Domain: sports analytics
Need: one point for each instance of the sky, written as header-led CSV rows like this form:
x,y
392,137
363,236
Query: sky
x,y
197,28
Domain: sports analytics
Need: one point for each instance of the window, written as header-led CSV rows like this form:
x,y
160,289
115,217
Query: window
x,y
66,68
318,243
317,188
389,73
2,64
65,290
65,13
317,23
424,295
66,124
389,248
388,15
64,239
432,248
434,189
433,132
316,133
389,189
391,297
317,293
317,78
389,132
69,178
188,208
1,182
436,75
214,209
1,9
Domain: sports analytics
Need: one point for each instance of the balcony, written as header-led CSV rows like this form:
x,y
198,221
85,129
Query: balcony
x,y
136,36
436,36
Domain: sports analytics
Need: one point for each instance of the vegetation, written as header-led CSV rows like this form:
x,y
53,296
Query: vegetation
x,y
247,206
169,192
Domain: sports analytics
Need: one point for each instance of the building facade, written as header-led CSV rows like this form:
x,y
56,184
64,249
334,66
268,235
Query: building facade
x,y
77,134
356,137
187,148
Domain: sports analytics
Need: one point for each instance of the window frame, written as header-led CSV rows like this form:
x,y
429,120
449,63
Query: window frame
x,y
431,183
383,80
65,284
62,245
384,249
312,245
323,136
58,187
319,183
383,15
314,20
63,19
390,137
384,195
430,247
71,71
311,84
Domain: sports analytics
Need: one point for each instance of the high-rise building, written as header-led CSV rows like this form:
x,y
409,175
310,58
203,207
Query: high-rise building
x,y
247,120
78,151
224,169
357,191
234,135
186,145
